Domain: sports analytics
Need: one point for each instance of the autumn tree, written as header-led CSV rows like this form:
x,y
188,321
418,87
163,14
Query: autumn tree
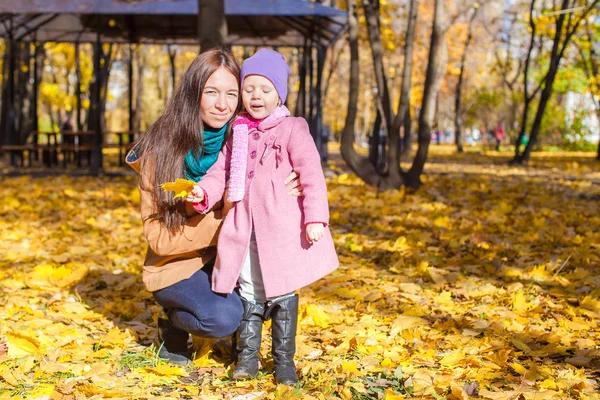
x,y
590,63
560,24
394,177
458,111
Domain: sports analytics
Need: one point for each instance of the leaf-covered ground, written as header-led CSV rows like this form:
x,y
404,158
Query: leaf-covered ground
x,y
485,283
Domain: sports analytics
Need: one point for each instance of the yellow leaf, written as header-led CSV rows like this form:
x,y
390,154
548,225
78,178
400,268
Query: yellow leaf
x,y
168,370
346,293
442,222
10,378
386,363
20,346
444,298
319,317
405,322
114,338
520,345
350,366
390,395
590,303
46,276
519,369
102,353
520,304
452,359
181,187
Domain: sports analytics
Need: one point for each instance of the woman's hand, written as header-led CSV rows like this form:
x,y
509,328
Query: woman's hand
x,y
196,195
314,232
292,182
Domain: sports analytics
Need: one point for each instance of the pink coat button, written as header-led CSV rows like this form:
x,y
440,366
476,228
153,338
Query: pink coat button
x,y
256,136
253,155
251,174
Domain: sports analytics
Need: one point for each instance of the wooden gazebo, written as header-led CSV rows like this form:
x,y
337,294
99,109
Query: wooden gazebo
x,y
309,26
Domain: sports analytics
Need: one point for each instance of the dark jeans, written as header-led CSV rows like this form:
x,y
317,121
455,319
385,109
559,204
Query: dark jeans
x,y
192,306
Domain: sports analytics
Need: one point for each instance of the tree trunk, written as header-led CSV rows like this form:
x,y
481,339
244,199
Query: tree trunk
x,y
403,117
393,179
527,97
413,178
458,112
374,142
598,114
333,65
212,24
359,165
371,8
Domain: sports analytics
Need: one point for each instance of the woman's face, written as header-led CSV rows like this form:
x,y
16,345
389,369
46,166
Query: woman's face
x,y
219,98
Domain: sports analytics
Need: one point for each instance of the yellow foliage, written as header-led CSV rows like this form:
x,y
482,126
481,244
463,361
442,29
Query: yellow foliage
x,y
482,279
181,187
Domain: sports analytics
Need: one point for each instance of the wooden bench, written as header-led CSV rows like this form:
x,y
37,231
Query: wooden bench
x,y
77,151
17,153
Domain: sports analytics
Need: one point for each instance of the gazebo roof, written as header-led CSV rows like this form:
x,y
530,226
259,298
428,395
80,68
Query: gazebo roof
x,y
250,22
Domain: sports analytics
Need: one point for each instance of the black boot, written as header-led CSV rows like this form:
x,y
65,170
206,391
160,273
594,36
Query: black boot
x,y
248,339
172,343
284,313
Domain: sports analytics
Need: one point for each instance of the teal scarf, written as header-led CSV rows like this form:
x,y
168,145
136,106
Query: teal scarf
x,y
196,167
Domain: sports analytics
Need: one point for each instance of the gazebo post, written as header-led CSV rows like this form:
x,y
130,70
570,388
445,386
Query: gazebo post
x,y
300,102
130,91
321,54
172,55
311,87
78,123
95,106
11,88
35,94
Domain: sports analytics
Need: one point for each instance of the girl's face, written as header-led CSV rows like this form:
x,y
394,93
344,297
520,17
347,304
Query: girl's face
x,y
219,98
259,96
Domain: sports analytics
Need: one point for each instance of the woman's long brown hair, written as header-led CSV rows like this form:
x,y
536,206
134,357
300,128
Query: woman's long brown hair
x,y
177,131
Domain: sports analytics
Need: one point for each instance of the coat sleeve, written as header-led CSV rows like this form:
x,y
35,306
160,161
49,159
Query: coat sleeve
x,y
213,183
199,231
306,161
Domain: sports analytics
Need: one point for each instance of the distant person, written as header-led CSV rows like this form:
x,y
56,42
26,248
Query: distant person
x,y
499,135
67,126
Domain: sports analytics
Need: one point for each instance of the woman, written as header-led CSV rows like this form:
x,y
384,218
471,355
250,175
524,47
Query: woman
x,y
184,142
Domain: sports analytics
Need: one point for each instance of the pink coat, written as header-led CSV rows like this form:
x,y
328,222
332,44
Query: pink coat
x,y
288,261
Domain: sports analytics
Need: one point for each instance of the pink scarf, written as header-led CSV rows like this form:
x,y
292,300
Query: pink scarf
x,y
239,153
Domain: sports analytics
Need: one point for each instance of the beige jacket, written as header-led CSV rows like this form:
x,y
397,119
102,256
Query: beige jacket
x,y
171,258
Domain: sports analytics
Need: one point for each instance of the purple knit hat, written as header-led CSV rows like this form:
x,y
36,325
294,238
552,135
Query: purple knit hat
x,y
271,65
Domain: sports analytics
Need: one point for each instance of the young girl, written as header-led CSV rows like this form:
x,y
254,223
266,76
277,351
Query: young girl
x,y
270,242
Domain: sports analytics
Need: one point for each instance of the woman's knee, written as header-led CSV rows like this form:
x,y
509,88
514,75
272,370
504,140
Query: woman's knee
x,y
221,320
227,318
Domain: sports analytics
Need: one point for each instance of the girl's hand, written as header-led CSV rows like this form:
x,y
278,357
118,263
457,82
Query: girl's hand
x,y
293,184
314,232
196,195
